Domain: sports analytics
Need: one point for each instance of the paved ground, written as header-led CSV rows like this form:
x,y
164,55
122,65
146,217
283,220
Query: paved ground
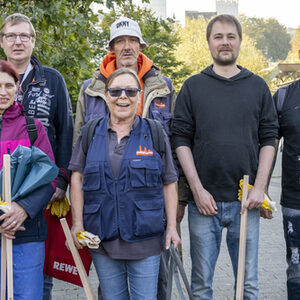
x,y
271,263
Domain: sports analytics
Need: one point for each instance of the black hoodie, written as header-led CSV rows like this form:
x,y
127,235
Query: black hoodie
x,y
225,121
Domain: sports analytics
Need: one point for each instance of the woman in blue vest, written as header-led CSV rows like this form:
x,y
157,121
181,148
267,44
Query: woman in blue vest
x,y
120,190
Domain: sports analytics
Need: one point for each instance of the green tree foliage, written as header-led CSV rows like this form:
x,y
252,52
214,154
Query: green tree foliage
x,y
159,35
67,36
193,49
270,36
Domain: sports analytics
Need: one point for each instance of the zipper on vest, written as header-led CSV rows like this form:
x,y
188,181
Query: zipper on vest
x,y
117,202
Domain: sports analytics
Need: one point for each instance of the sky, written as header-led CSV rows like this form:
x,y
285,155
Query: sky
x,y
287,12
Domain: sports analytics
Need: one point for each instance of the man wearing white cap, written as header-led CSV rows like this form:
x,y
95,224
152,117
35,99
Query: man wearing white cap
x,y
157,99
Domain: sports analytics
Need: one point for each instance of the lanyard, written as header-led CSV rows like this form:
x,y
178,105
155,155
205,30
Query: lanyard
x,y
18,94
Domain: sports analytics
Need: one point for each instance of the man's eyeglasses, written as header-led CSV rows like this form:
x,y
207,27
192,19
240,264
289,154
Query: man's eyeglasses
x,y
129,92
11,37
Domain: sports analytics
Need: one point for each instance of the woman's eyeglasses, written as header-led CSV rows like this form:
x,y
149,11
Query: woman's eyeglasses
x,y
129,92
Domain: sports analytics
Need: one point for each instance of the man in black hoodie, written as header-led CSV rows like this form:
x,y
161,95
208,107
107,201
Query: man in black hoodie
x,y
224,127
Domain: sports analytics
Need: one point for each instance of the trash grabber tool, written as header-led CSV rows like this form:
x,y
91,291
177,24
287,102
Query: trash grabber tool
x,y
6,244
78,262
242,245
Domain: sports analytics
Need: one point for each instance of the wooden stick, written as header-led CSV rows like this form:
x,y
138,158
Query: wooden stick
x,y
78,262
7,198
3,268
3,252
242,245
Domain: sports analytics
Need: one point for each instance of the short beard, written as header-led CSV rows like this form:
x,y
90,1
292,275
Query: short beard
x,y
226,62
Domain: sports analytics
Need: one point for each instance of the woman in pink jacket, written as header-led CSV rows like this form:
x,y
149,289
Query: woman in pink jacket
x,y
25,223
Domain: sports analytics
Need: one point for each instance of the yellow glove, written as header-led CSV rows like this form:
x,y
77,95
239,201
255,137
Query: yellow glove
x,y
86,238
59,208
267,203
4,206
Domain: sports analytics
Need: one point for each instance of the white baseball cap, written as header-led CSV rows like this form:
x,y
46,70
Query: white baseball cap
x,y
125,26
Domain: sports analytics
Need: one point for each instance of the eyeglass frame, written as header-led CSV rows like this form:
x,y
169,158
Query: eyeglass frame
x,y
24,34
125,90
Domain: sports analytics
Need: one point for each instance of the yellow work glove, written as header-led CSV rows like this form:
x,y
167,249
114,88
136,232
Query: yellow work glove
x,y
267,203
4,206
86,238
59,208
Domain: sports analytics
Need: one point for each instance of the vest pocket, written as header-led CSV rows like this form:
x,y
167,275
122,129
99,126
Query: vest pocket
x,y
91,218
164,117
144,173
149,217
91,178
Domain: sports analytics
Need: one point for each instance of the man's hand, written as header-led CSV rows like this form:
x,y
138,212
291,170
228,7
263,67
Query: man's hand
x,y
58,194
180,213
205,202
254,200
13,220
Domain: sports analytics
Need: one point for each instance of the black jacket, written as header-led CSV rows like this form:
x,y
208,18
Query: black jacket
x,y
225,122
289,124
46,98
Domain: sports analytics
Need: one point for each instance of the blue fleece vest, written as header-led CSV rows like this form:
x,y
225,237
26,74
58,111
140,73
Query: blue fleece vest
x,y
132,205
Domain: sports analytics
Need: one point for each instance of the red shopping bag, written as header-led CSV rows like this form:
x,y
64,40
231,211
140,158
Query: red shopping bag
x,y
59,262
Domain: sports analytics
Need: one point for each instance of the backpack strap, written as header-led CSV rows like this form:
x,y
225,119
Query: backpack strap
x,y
31,129
88,132
157,136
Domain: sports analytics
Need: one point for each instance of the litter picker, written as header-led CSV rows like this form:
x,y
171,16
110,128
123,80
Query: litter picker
x,y
6,244
78,262
242,245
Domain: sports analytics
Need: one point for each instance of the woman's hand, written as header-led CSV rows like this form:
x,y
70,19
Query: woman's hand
x,y
75,228
13,220
172,237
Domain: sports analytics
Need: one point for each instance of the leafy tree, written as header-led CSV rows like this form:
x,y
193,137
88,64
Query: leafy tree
x,y
193,49
159,35
270,36
67,37
293,55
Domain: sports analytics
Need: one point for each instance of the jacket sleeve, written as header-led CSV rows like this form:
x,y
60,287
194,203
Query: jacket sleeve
x,y
183,123
37,200
268,123
80,115
64,133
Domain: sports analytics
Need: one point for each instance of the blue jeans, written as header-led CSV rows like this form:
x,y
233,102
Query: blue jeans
x,y
127,279
205,241
28,264
48,286
291,228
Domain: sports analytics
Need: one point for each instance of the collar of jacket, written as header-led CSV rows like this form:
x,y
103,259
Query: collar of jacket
x,y
39,74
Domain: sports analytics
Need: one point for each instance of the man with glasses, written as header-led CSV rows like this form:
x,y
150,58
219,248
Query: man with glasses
x,y
157,98
43,93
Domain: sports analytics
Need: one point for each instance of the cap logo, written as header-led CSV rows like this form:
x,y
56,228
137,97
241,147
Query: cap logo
x,y
123,24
